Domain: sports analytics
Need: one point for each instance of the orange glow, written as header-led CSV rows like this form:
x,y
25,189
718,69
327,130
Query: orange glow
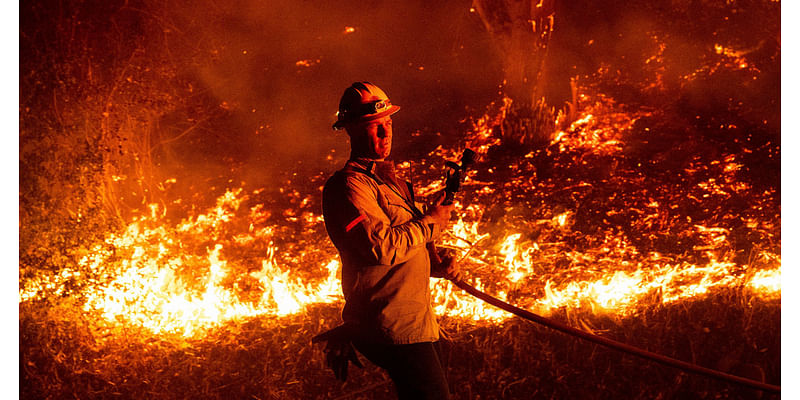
x,y
151,291
227,263
307,63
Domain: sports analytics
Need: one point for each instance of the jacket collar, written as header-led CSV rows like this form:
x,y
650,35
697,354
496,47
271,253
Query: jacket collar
x,y
379,171
367,164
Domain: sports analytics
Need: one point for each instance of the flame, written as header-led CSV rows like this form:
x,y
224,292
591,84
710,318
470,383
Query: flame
x,y
766,281
227,263
615,289
599,127
451,301
151,286
621,290
482,131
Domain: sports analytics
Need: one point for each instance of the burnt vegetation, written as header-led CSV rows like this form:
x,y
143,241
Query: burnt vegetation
x,y
653,133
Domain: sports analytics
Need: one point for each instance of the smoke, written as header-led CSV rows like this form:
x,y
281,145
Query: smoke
x,y
637,40
278,68
267,75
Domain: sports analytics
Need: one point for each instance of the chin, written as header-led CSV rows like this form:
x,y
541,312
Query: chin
x,y
382,153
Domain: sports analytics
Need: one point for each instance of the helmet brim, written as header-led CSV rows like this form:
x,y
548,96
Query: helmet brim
x,y
366,118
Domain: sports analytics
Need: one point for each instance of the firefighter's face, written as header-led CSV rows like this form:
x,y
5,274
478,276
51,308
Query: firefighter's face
x,y
372,139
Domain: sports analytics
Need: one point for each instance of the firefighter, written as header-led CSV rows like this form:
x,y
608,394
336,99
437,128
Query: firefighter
x,y
383,241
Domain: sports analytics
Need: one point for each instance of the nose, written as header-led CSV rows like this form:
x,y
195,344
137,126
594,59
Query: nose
x,y
382,132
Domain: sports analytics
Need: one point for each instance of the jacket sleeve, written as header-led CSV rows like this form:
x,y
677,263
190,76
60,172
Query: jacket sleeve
x,y
375,238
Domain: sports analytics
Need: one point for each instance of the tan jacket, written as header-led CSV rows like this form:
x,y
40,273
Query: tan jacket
x,y
381,237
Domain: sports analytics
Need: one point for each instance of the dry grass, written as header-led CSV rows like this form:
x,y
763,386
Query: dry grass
x,y
648,191
67,354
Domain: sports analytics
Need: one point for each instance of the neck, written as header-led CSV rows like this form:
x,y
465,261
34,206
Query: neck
x,y
360,155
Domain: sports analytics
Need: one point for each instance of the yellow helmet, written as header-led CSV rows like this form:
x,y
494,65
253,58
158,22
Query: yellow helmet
x,y
363,101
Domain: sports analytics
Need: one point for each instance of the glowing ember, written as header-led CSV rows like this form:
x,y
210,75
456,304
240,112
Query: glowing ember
x,y
237,260
158,287
596,129
733,54
307,63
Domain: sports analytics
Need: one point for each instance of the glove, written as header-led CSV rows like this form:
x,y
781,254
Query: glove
x,y
440,213
445,267
339,350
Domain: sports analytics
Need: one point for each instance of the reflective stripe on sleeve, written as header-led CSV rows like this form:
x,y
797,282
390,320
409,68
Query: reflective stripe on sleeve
x,y
353,223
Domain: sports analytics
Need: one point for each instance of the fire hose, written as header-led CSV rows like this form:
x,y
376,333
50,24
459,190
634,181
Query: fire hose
x,y
626,348
452,185
338,356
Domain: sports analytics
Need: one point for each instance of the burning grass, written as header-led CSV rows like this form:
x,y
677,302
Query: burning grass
x,y
647,211
271,358
683,261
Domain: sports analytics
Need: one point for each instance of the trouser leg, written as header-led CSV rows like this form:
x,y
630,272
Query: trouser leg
x,y
416,369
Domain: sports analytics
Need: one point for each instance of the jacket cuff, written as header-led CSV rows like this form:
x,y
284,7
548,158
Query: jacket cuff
x,y
431,228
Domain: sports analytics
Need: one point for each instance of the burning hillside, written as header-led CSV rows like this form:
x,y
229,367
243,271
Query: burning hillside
x,y
641,217
642,243
522,235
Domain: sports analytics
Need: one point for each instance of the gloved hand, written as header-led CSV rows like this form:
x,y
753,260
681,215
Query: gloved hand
x,y
447,269
440,213
339,350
